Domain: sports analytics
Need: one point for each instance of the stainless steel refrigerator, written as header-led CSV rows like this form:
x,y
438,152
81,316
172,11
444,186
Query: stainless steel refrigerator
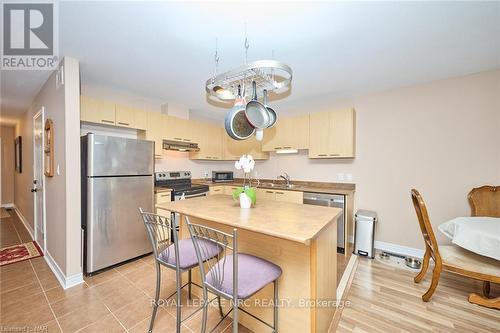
x,y
117,179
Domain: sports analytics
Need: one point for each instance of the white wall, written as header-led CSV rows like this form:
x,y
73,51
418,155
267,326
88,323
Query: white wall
x,y
62,192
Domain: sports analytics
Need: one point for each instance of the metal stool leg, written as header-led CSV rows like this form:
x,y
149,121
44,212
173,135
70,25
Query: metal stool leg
x,y
157,297
178,303
275,306
189,284
235,316
205,310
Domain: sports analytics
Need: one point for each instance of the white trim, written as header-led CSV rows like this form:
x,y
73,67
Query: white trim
x,y
7,205
399,249
66,282
349,270
40,113
25,222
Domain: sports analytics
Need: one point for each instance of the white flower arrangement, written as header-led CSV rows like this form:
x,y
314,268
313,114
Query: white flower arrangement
x,y
245,163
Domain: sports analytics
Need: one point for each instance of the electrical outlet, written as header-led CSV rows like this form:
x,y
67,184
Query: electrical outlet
x,y
206,174
340,176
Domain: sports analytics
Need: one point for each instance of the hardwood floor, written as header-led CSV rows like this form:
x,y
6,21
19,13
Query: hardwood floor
x,y
385,299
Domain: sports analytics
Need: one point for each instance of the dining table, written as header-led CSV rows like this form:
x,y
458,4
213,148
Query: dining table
x,y
478,234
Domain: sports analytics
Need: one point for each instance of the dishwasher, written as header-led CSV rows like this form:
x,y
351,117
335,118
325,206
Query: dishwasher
x,y
330,200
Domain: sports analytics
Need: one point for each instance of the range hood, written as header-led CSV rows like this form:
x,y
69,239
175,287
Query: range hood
x,y
180,145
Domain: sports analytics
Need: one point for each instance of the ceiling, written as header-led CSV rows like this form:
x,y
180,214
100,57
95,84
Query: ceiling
x,y
165,50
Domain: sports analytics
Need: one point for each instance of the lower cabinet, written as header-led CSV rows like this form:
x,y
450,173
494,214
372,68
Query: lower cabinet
x,y
162,197
279,195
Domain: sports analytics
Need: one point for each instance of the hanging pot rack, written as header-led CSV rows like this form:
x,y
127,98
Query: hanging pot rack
x,y
270,75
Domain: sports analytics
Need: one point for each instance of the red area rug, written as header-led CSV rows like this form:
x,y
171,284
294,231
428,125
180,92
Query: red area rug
x,y
17,253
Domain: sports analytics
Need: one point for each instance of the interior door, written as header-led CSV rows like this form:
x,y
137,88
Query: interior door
x,y
38,179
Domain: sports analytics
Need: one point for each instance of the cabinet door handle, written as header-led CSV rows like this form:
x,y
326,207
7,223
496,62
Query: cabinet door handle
x,y
107,121
269,192
287,147
279,193
180,139
164,195
322,154
334,154
188,140
125,124
276,148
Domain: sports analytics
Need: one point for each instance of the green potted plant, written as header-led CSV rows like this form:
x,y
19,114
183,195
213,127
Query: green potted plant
x,y
245,194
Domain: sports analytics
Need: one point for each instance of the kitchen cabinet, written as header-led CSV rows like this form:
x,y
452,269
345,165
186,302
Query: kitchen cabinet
x,y
126,116
279,195
156,129
97,111
179,129
333,135
233,149
289,133
209,139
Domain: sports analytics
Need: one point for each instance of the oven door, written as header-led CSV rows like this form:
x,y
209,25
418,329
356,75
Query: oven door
x,y
184,195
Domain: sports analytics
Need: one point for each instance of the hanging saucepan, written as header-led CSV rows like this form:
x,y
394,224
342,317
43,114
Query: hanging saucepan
x,y
236,123
273,116
256,112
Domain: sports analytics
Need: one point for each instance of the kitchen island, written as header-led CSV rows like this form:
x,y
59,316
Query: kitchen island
x,y
301,239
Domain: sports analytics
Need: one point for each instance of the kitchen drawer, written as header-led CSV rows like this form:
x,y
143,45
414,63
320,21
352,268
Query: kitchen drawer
x,y
265,194
163,197
289,196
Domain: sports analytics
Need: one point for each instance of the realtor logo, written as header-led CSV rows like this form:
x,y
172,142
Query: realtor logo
x,y
29,36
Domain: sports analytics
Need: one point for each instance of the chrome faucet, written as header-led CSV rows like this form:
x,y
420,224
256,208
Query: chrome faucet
x,y
286,177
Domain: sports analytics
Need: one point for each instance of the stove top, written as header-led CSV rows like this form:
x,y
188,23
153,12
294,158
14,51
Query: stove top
x,y
179,182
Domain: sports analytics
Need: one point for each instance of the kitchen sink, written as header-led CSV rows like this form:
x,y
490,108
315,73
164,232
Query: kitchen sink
x,y
273,185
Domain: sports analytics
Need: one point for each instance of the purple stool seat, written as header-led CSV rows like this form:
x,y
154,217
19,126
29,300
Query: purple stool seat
x,y
254,273
187,253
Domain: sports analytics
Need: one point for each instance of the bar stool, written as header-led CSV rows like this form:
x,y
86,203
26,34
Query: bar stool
x,y
179,255
235,276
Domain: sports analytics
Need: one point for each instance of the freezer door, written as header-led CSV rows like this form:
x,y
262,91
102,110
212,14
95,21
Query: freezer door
x,y
115,231
114,156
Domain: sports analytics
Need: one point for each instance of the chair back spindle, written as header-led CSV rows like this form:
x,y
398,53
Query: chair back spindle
x,y
203,238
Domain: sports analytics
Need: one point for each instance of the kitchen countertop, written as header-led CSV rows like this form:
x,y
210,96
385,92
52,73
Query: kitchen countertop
x,y
301,186
295,222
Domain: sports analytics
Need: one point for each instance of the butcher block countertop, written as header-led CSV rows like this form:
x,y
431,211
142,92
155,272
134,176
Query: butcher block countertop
x,y
295,222
301,186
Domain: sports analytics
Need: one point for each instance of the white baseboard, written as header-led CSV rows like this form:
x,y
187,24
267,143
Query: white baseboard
x,y
399,249
7,205
66,282
25,222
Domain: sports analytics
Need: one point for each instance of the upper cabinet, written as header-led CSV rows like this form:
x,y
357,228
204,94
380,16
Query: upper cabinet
x,y
97,111
233,149
179,129
209,140
333,135
127,116
155,130
289,133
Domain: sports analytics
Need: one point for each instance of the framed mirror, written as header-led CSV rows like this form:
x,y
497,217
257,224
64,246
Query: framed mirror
x,y
48,148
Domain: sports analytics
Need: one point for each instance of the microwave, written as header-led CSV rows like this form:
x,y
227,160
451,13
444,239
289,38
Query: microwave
x,y
222,176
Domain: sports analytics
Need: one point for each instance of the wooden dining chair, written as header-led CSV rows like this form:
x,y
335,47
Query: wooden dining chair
x,y
484,201
451,258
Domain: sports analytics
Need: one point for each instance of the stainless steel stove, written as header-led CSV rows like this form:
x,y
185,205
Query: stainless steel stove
x,y
181,185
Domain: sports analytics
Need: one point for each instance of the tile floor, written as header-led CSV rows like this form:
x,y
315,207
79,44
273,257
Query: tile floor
x,y
117,300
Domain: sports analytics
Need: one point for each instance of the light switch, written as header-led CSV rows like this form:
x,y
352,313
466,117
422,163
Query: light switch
x,y
340,176
348,176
